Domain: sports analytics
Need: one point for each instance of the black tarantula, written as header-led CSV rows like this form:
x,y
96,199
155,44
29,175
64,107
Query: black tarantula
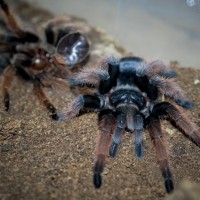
x,y
25,55
127,94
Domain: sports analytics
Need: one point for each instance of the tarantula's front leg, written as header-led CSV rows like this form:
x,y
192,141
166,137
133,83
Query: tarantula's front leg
x,y
128,116
156,134
117,133
138,133
88,78
81,105
8,78
106,125
44,100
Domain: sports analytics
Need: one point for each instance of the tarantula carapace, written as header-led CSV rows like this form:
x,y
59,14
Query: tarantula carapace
x,y
43,63
128,95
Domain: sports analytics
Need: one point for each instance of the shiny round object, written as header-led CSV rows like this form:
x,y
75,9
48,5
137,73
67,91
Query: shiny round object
x,y
74,47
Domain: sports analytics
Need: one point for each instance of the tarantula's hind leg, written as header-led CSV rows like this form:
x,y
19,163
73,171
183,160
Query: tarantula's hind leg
x,y
106,123
8,78
156,134
44,100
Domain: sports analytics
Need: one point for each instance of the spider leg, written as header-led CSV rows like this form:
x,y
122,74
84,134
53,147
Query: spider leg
x,y
52,37
11,19
4,62
88,78
156,68
128,116
110,81
117,133
156,134
82,104
138,133
44,100
166,110
49,34
15,27
106,123
183,123
136,125
169,88
8,78
177,119
22,60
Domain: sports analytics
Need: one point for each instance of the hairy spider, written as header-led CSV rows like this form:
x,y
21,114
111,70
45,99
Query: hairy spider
x,y
128,93
43,63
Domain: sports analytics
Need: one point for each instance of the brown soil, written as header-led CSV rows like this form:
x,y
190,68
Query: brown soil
x,y
42,159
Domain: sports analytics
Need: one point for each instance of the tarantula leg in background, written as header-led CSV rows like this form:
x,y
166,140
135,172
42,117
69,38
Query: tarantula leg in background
x,y
156,134
11,19
15,26
8,78
106,124
44,100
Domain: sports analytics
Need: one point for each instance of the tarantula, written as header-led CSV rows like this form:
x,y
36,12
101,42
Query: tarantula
x,y
127,95
43,63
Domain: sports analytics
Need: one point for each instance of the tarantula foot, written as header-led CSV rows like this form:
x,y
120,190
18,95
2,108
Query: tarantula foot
x,y
53,112
139,150
6,104
97,180
169,186
184,103
113,150
54,116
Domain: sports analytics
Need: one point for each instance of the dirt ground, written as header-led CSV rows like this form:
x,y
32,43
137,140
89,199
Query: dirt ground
x,y
43,159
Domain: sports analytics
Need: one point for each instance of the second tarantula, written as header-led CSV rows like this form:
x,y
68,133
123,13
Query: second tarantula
x,y
127,94
25,55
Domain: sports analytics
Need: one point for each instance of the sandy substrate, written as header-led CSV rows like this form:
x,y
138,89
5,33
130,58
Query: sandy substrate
x,y
42,159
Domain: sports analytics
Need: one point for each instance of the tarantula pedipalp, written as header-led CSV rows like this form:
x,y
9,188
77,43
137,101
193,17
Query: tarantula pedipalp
x,y
127,94
43,63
